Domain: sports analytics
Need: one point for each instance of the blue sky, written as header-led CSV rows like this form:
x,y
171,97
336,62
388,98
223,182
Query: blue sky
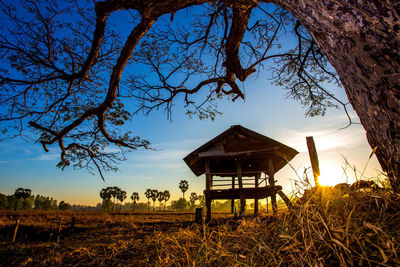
x,y
265,110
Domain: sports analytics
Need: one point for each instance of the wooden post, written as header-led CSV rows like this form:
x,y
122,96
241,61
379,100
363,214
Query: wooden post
x,y
239,176
208,187
233,200
271,180
285,199
15,230
242,205
239,173
208,175
257,176
208,207
312,151
199,216
72,227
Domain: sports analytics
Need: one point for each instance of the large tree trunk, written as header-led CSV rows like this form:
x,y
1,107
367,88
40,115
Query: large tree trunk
x,y
361,40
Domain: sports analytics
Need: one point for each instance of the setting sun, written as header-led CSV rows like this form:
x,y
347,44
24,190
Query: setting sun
x,y
331,175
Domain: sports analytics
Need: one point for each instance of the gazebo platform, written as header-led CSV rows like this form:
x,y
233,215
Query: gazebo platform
x,y
238,193
240,164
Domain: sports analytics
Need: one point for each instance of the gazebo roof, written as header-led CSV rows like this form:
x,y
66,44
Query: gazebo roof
x,y
239,143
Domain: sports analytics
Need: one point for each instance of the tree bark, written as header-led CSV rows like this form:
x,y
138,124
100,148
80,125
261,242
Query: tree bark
x,y
361,40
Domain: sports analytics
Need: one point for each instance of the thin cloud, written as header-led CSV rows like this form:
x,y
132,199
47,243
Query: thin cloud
x,y
324,139
47,157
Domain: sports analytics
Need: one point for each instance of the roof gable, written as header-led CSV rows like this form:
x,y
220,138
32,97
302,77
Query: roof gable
x,y
239,142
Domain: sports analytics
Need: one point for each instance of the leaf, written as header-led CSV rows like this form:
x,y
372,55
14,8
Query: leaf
x,y
337,242
385,258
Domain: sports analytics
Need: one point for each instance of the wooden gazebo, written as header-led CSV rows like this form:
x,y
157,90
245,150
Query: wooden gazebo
x,y
236,163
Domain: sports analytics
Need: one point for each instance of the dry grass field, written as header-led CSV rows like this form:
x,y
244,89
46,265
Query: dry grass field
x,y
109,238
325,228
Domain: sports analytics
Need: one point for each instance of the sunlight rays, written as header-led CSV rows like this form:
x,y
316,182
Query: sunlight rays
x,y
331,175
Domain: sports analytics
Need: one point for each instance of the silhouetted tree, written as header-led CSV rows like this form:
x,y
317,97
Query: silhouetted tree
x,y
44,203
67,83
106,195
22,193
180,204
135,197
183,186
18,203
28,203
64,205
160,198
167,195
148,195
114,193
202,200
121,195
154,194
3,202
192,200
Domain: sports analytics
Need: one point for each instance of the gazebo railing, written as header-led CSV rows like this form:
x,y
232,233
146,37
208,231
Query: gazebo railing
x,y
246,181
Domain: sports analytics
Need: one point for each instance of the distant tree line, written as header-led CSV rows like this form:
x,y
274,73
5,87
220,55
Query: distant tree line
x,y
110,194
112,200
23,199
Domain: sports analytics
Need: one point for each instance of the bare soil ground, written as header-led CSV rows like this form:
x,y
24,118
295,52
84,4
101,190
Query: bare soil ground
x,y
86,238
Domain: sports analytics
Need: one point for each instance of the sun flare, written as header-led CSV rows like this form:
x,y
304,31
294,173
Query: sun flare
x,y
331,175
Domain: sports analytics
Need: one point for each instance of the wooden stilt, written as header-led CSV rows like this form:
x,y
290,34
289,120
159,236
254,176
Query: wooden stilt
x,y
208,187
242,205
242,197
285,199
208,207
271,180
239,173
256,178
208,175
233,200
274,204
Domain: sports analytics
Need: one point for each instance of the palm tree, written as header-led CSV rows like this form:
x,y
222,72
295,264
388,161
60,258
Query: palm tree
x,y
135,197
105,194
183,186
148,196
121,195
167,195
114,192
154,193
160,197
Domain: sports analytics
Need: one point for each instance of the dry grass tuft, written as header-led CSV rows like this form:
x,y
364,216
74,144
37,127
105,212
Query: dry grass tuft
x,y
324,228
